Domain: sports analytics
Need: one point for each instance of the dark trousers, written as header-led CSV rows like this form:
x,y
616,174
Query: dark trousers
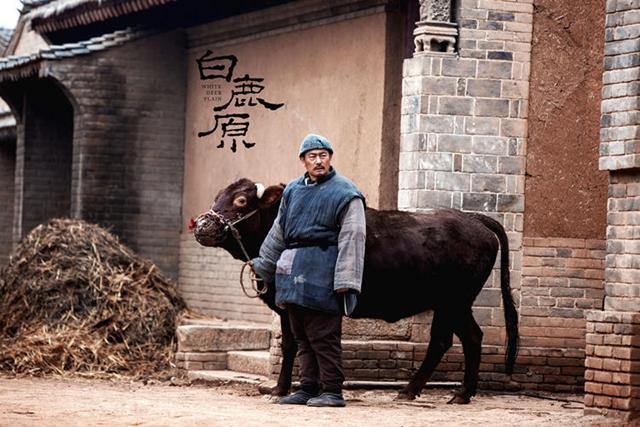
x,y
318,335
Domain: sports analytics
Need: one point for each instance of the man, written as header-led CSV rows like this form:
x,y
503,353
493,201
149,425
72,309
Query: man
x,y
315,250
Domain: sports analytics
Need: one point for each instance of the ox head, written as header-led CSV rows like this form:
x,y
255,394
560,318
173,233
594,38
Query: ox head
x,y
237,205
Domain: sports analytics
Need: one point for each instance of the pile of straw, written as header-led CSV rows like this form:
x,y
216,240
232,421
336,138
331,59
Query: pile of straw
x,y
75,300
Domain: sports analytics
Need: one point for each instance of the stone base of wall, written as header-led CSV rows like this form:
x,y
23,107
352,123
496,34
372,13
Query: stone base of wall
x,y
195,361
612,377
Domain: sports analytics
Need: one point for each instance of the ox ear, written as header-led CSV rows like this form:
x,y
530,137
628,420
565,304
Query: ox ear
x,y
271,195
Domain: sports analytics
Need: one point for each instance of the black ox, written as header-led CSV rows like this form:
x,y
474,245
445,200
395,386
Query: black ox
x,y
414,262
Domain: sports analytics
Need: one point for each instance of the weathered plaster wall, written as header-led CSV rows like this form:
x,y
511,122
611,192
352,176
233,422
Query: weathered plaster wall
x,y
565,192
330,82
340,78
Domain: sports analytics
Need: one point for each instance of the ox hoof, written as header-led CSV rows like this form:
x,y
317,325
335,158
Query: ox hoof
x,y
405,396
459,399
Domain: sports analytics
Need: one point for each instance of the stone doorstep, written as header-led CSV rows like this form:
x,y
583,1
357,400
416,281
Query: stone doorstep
x,y
252,362
222,336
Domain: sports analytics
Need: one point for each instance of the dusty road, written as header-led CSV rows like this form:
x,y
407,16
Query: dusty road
x,y
33,401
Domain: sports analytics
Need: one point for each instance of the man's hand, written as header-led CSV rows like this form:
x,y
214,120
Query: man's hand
x,y
342,290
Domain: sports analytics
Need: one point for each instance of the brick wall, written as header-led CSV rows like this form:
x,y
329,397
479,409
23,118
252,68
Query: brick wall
x,y
210,283
623,242
128,157
612,379
7,170
619,145
613,364
463,135
561,278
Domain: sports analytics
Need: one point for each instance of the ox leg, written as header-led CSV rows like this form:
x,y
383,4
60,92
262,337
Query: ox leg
x,y
441,340
289,349
470,335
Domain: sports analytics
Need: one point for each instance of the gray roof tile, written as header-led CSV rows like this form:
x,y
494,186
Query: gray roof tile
x,y
68,50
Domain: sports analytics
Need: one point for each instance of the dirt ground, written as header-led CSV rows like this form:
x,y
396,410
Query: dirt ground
x,y
56,401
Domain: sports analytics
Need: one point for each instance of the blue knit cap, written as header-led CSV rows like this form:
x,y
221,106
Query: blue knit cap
x,y
314,142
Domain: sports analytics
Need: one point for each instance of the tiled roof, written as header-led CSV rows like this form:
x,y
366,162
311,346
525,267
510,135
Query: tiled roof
x,y
61,14
17,67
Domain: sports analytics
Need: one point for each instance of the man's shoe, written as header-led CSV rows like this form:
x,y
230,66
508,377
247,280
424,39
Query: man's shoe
x,y
300,397
328,399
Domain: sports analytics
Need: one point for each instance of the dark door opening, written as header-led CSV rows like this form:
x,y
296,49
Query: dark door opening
x,y
48,150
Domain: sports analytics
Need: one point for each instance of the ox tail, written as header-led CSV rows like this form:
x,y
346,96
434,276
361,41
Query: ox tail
x,y
510,312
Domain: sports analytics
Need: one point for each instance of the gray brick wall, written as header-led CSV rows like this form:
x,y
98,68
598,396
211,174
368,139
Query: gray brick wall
x,y
620,121
613,333
7,171
464,127
128,158
623,243
102,139
463,138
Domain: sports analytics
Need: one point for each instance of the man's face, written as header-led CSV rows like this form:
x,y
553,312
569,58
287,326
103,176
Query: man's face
x,y
317,163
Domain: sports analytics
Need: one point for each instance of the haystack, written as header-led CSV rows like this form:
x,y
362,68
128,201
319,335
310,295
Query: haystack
x,y
73,299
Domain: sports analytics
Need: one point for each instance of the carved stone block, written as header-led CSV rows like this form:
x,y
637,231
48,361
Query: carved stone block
x,y
435,37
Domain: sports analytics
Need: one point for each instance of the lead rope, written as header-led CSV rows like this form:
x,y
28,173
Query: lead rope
x,y
254,279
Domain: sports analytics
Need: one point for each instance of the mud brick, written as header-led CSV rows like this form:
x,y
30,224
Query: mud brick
x,y
494,69
603,351
621,378
602,401
405,355
593,388
387,364
193,366
602,377
484,88
455,143
371,354
479,201
593,362
404,364
348,354
370,364
352,363
438,86
366,373
217,365
459,67
388,345
500,16
455,105
616,390
574,371
482,126
492,107
624,404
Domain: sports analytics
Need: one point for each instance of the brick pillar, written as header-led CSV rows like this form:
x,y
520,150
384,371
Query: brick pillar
x,y
612,377
463,133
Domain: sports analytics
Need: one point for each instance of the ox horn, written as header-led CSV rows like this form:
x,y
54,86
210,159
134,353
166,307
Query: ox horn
x,y
259,190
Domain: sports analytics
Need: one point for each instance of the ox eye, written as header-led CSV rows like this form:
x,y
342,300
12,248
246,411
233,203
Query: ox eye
x,y
240,201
